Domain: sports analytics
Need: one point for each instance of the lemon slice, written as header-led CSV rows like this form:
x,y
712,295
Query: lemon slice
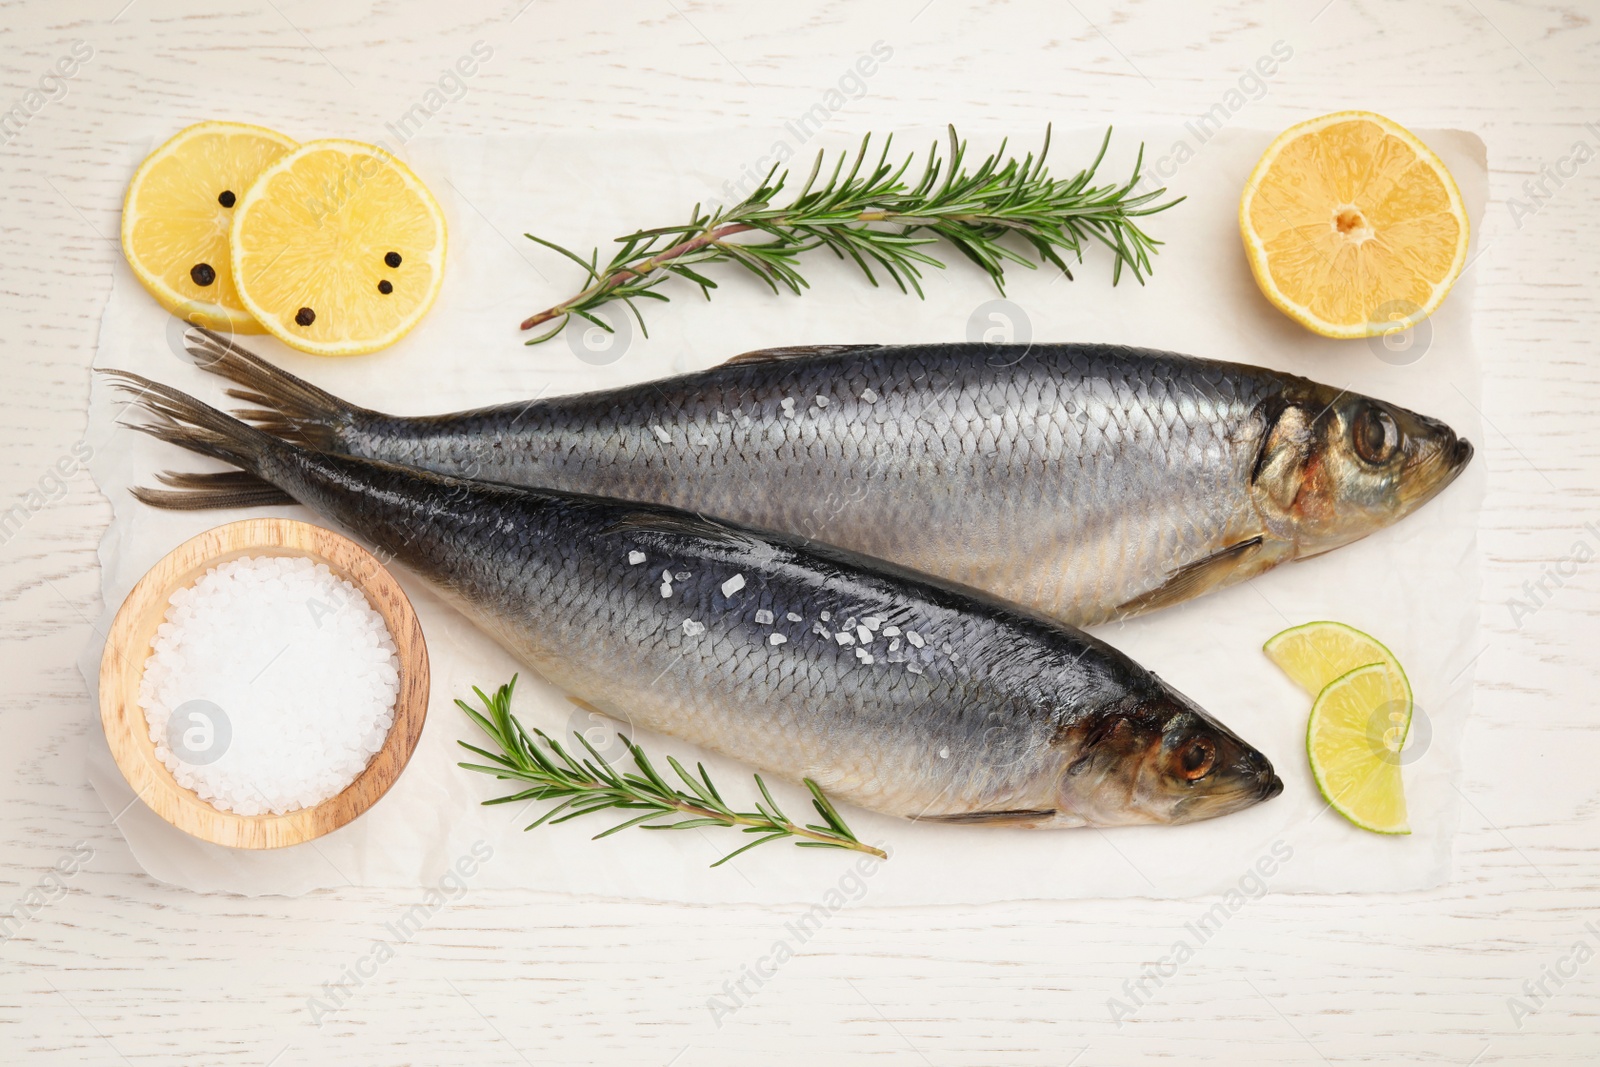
x,y
1353,227
338,248
1355,756
178,211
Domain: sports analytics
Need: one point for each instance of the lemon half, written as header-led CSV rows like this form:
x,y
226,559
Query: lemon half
x,y
1353,227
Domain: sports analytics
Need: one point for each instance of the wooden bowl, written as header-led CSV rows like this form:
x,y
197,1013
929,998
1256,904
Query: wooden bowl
x,y
129,645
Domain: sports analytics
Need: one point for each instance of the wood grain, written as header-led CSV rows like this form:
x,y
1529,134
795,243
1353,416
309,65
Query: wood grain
x,y
131,641
114,968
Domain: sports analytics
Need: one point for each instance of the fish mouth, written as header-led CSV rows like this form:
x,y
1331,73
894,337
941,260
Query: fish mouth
x,y
1246,792
1263,785
1451,457
1257,778
1438,456
1442,468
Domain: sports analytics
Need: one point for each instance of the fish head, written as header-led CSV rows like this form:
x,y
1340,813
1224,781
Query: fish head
x,y
1161,759
1334,466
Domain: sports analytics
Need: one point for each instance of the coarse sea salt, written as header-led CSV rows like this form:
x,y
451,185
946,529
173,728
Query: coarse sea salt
x,y
283,679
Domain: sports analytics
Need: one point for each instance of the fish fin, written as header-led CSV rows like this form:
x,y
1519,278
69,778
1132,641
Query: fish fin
x,y
680,524
199,492
182,420
1320,552
1020,816
777,355
1192,579
289,407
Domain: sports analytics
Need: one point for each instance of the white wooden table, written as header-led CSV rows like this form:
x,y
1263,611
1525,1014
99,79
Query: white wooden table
x,y
113,967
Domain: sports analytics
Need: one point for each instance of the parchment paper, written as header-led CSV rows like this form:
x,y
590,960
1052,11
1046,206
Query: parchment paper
x,y
1415,585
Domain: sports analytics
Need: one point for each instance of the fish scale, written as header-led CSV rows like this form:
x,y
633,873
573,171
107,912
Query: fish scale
x,y
1084,481
821,713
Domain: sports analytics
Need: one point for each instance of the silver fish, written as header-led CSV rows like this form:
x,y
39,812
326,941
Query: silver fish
x,y
888,689
1088,482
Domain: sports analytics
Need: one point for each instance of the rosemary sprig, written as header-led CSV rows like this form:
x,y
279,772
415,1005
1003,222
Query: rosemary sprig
x,y
586,786
875,218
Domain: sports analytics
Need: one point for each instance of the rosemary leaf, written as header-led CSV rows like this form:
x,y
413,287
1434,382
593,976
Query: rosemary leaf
x,y
871,216
586,787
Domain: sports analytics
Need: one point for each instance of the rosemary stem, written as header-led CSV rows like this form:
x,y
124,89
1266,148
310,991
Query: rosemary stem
x,y
715,236
795,829
734,818
584,786
1000,211
654,263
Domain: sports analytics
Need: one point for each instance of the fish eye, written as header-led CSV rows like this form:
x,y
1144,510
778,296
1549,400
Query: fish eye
x,y
1374,434
1196,758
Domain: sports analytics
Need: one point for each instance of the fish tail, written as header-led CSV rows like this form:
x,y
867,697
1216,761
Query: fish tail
x,y
289,407
182,420
202,492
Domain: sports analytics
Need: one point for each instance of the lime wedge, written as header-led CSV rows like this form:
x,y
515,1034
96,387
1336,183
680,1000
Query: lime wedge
x,y
1354,741
1315,653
